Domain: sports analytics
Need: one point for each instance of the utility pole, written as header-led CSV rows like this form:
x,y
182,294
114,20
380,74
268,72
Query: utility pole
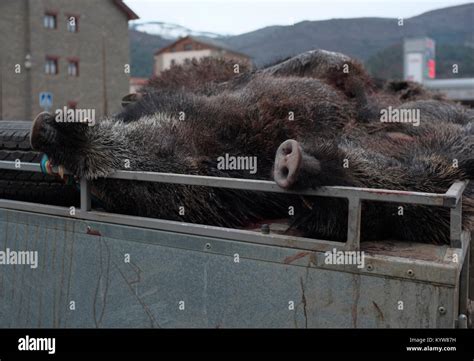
x,y
104,78
28,104
1,87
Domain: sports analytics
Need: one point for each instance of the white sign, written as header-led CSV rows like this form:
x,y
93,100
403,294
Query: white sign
x,y
415,67
46,100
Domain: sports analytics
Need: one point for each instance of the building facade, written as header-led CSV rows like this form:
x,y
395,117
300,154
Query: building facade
x,y
191,47
420,65
73,53
419,59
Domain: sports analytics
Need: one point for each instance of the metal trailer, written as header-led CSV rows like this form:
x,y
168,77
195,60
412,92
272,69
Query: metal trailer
x,y
97,269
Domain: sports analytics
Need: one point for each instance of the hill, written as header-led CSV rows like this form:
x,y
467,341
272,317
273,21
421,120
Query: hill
x,y
375,41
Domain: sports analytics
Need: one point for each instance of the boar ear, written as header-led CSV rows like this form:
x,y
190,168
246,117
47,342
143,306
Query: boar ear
x,y
40,133
130,99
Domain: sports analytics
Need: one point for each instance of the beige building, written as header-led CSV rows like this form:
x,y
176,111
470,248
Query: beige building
x,y
191,47
75,53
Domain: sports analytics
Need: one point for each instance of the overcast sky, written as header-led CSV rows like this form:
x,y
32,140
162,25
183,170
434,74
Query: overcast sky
x,y
237,17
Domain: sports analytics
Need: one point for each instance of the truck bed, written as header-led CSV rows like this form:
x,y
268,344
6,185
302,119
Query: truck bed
x,y
86,263
99,269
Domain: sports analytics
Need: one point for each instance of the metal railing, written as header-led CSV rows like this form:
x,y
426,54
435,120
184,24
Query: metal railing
x,y
451,199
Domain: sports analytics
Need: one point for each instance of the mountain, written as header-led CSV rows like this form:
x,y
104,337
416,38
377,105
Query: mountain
x,y
375,41
142,49
169,31
360,37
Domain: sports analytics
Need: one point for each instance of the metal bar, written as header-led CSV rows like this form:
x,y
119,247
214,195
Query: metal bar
x,y
27,167
38,208
471,272
353,225
381,195
85,195
464,279
270,186
454,193
462,321
455,228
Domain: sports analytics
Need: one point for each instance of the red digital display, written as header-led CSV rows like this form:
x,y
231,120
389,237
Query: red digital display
x,y
431,68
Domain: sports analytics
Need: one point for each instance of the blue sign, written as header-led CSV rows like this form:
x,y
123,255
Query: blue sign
x,y
46,100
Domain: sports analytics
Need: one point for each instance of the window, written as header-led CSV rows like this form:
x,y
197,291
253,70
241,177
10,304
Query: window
x,y
73,68
173,62
73,24
49,21
51,65
188,47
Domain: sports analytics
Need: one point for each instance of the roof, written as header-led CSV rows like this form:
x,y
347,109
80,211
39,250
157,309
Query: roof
x,y
213,43
131,15
138,81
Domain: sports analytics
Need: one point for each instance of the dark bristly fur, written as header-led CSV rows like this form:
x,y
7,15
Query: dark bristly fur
x,y
336,119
